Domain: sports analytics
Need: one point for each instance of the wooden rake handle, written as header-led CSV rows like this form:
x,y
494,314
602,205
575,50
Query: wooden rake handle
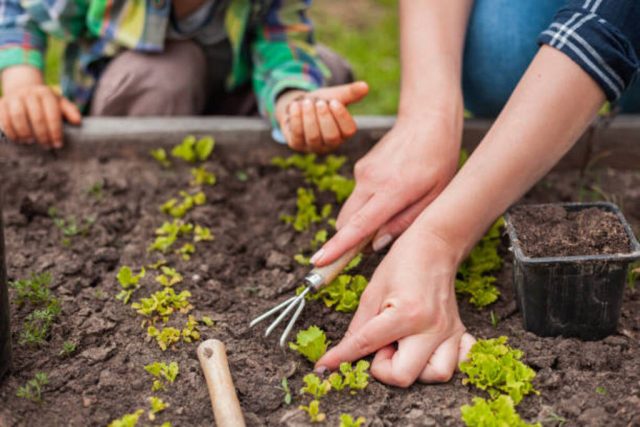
x,y
224,401
331,271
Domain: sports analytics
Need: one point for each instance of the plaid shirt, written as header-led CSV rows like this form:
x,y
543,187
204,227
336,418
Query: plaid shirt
x,y
271,40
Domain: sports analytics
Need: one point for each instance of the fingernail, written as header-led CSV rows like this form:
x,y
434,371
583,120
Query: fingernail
x,y
381,242
321,105
334,104
320,370
317,256
307,104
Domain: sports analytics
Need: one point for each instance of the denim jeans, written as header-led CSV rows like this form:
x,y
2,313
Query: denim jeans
x,y
501,42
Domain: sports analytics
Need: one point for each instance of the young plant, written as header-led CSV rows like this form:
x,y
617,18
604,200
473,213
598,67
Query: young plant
x,y
70,227
163,304
498,412
127,420
207,321
313,410
160,155
202,234
192,150
165,337
343,293
96,190
157,405
201,176
355,378
163,374
168,233
37,324
287,391
315,386
311,343
32,390
186,250
307,212
495,367
34,290
347,420
179,208
129,282
190,331
68,348
169,276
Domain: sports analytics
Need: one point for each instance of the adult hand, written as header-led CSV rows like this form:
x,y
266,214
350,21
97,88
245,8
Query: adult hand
x,y
31,111
395,181
319,121
409,301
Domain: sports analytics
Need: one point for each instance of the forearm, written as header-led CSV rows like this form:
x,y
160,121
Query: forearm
x,y
551,107
432,34
19,76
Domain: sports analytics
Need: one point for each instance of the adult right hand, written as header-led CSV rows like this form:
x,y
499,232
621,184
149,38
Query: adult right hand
x,y
31,111
395,181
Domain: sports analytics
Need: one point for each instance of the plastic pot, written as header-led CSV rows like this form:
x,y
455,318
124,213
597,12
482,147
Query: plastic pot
x,y
572,296
5,328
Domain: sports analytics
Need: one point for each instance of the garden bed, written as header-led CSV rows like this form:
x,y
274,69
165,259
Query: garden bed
x,y
245,270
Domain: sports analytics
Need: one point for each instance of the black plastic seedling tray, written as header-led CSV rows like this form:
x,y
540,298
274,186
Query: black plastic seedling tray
x,y
572,296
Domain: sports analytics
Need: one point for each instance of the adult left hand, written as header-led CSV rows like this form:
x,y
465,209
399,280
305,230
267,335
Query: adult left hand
x,y
408,316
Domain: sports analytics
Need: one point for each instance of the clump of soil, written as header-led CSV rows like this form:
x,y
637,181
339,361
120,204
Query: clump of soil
x,y
552,230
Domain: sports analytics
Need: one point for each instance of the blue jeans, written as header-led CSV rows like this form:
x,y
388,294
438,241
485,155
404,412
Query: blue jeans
x,y
501,42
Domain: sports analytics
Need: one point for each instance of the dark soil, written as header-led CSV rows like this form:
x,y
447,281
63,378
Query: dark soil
x,y
245,270
547,231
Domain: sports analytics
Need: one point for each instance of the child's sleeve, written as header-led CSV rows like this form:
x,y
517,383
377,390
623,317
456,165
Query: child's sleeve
x,y
284,56
21,41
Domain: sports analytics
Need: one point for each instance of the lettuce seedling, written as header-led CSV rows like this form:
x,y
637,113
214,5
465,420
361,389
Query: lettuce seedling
x,y
307,212
287,391
163,304
302,260
475,274
156,265
336,381
163,374
178,209
313,410
186,251
202,234
355,378
169,276
32,390
164,337
347,420
340,186
129,282
315,386
495,367
207,321
190,331
127,420
499,412
168,233
35,290
343,293
311,343
157,405
160,155
192,150
201,176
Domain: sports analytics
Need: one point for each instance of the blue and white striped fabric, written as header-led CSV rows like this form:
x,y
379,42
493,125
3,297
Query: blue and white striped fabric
x,y
603,37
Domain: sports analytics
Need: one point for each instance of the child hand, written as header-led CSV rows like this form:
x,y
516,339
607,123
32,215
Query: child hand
x,y
34,113
319,121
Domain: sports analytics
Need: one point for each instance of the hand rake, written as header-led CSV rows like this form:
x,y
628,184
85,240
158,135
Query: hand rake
x,y
314,280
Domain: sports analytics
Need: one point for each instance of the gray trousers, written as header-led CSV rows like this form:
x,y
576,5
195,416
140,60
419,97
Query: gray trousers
x,y
183,80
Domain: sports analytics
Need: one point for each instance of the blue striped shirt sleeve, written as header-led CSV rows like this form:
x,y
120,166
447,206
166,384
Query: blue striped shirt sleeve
x,y
602,37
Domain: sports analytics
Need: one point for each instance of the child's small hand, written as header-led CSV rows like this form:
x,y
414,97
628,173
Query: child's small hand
x,y
319,121
34,113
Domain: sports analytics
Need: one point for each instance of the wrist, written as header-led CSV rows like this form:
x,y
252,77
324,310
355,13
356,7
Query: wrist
x,y
20,76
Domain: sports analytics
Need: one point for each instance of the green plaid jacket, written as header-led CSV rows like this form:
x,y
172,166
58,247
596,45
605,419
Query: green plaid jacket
x,y
271,40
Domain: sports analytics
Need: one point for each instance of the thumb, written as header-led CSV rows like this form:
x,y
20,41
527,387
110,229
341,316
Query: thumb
x,y
70,111
345,94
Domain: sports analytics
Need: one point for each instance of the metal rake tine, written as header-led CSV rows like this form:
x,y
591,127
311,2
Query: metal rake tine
x,y
292,322
271,311
285,312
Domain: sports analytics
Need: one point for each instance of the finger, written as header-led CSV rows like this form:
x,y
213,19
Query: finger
x,y
403,367
19,119
295,125
5,122
343,118
400,222
368,219
346,94
466,342
356,200
310,125
37,121
368,308
442,363
70,111
53,117
378,332
331,136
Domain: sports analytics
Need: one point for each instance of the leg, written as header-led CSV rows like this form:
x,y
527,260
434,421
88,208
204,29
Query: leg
x,y
141,84
500,44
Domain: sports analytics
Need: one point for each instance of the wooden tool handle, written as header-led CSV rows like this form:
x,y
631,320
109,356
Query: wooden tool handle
x,y
331,271
224,401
